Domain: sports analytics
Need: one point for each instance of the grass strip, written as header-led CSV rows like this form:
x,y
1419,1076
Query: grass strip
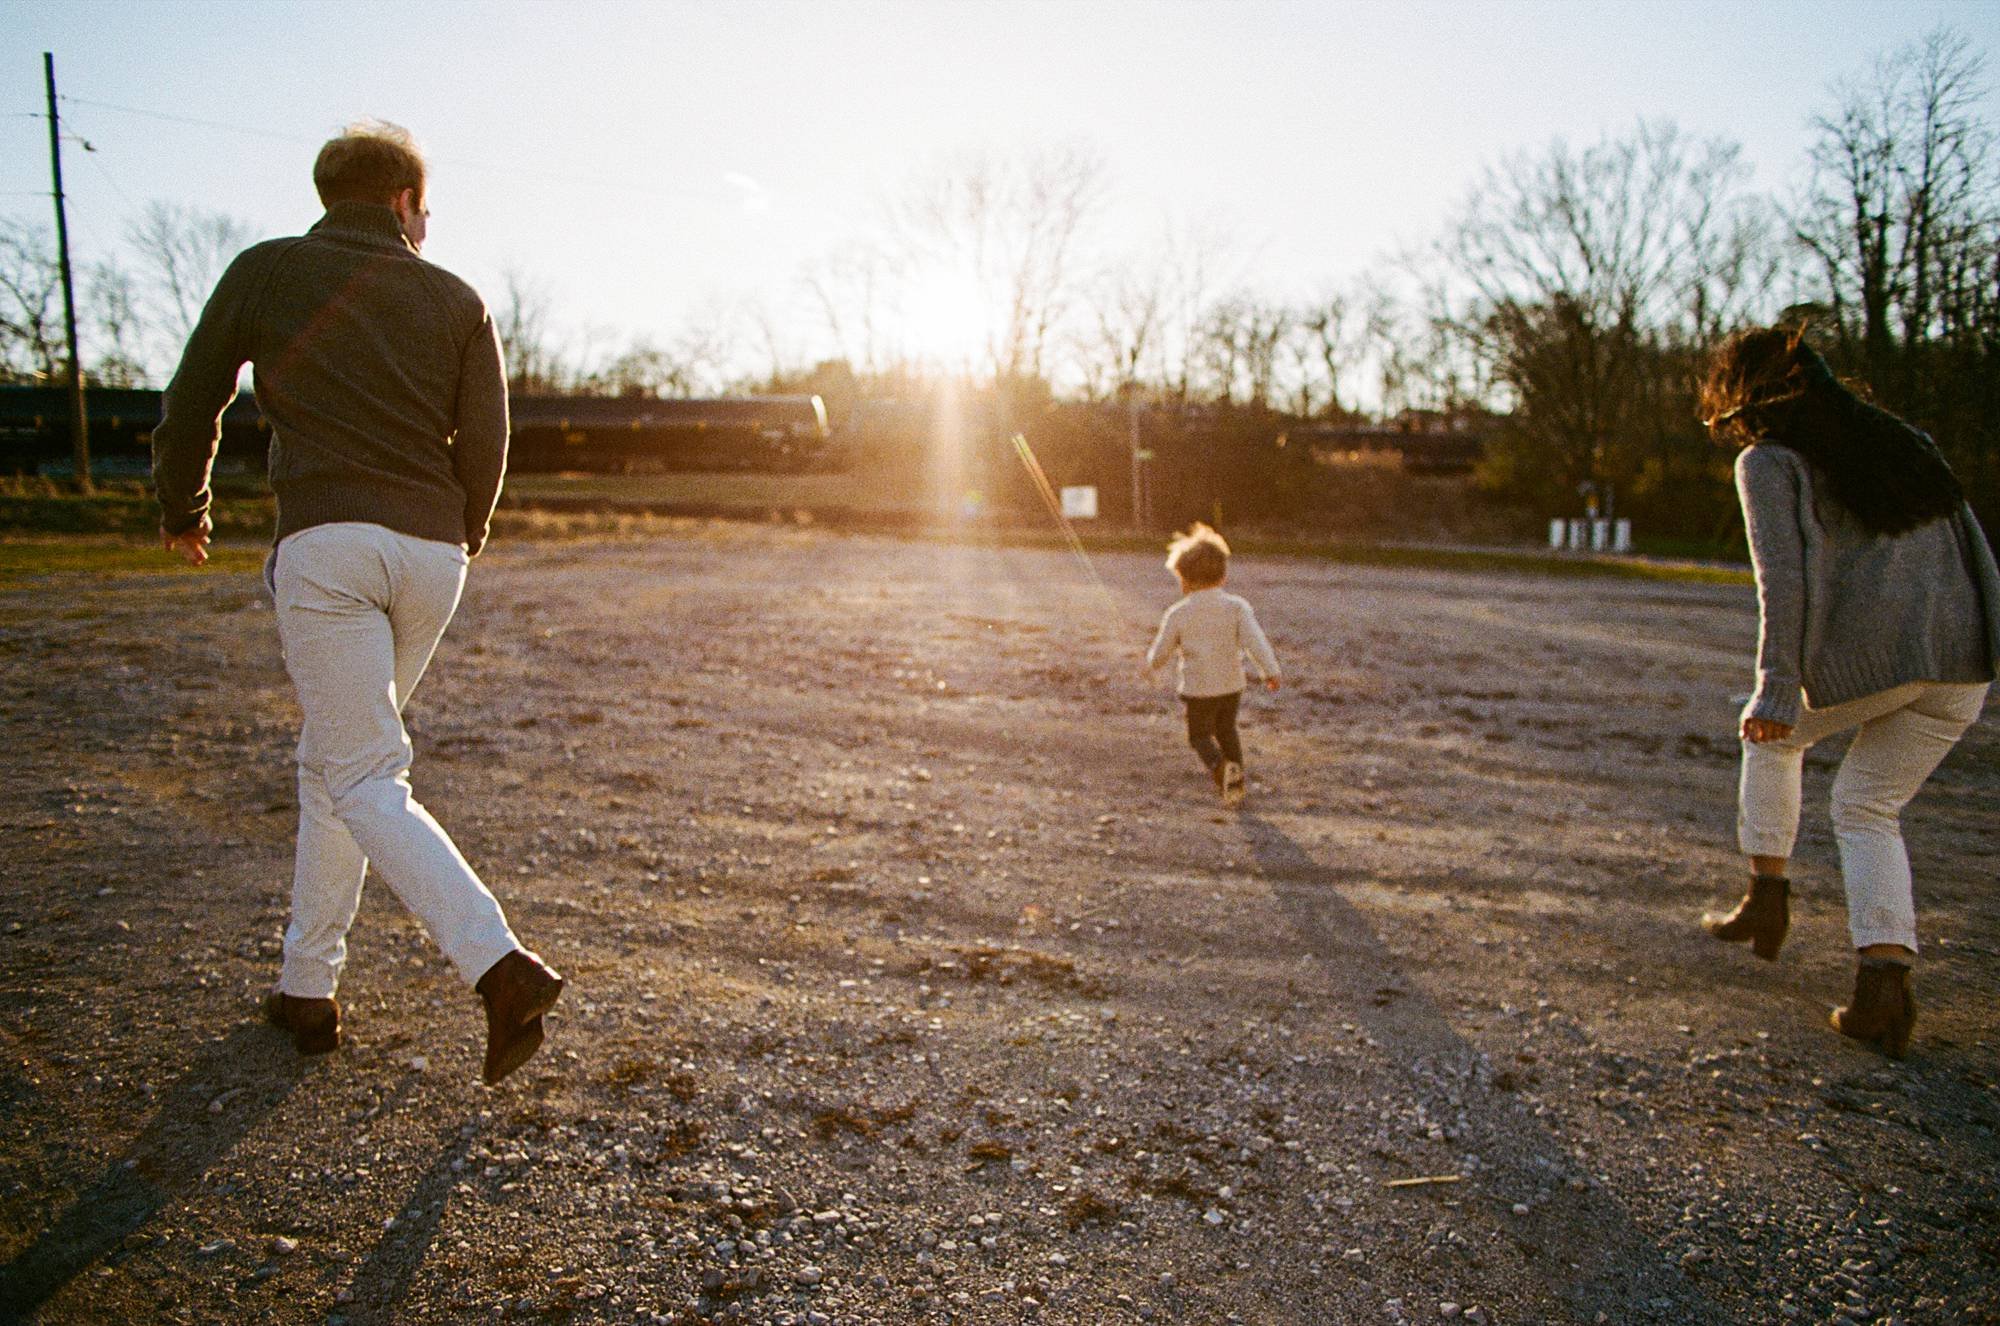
x,y
551,507
23,560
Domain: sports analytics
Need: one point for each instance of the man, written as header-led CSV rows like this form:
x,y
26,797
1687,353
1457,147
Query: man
x,y
381,377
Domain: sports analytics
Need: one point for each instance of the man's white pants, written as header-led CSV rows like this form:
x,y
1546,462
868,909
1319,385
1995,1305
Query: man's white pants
x,y
360,611
1904,733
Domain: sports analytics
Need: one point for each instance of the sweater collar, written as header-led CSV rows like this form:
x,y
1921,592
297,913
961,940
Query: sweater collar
x,y
373,222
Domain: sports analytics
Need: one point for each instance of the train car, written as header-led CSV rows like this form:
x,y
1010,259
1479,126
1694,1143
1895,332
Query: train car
x,y
35,424
603,435
640,435
1420,442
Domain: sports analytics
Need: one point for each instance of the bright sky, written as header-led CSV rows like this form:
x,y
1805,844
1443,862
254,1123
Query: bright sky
x,y
646,160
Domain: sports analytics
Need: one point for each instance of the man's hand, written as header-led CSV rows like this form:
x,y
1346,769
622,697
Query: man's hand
x,y
1757,731
1273,683
190,543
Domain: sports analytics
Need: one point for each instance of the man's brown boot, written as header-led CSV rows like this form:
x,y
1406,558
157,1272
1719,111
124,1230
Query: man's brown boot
x,y
313,1023
1762,917
1883,1009
518,990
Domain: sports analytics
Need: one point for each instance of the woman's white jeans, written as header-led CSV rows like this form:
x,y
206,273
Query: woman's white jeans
x,y
360,611
1903,734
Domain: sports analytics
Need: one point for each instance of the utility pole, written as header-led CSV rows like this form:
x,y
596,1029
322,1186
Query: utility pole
x,y
1142,495
79,418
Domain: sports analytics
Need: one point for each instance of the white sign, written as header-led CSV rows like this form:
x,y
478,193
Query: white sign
x,y
1080,503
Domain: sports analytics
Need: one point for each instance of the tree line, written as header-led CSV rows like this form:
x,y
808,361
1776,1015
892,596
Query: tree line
x,y
1573,293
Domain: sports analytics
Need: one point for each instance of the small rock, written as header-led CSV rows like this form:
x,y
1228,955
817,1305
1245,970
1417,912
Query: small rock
x,y
809,1276
1213,1216
283,1247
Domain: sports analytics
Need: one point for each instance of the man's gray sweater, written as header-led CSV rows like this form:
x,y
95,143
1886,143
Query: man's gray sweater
x,y
1845,612
379,372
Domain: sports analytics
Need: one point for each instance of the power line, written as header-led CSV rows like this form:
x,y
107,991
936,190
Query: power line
x,y
188,119
455,162
131,207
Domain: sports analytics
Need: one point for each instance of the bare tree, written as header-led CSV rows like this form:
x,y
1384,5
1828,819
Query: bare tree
x,y
1127,314
31,332
1580,279
1220,340
111,303
851,288
1011,227
181,252
1265,327
522,319
1901,215
1201,258
1327,341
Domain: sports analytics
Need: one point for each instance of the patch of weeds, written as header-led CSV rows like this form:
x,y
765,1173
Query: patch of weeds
x,y
865,1120
679,1137
1087,1207
761,1043
628,1073
1181,1183
1003,966
830,1121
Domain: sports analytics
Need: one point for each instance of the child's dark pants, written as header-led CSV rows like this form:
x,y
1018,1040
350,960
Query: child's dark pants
x,y
1211,722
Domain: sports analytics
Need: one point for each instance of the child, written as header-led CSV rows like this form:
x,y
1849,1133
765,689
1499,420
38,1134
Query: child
x,y
1210,630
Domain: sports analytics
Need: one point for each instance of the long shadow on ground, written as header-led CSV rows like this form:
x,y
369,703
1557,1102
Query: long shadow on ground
x,y
252,1070
1620,1271
383,1281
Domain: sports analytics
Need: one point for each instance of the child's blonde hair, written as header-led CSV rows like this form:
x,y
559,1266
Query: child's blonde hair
x,y
1199,557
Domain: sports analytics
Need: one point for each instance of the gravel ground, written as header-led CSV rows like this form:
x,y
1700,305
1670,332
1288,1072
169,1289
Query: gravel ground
x,y
917,976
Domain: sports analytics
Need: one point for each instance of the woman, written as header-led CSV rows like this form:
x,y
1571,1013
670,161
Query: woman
x,y
1879,611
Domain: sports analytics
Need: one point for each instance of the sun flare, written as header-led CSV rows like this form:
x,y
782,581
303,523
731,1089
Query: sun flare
x,y
945,318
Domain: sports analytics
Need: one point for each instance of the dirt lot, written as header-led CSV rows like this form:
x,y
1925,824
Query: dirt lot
x,y
917,976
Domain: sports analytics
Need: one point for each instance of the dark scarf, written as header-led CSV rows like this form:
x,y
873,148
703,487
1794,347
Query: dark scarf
x,y
1890,475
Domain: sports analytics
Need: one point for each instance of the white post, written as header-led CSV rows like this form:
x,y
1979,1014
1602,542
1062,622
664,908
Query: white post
x,y
1621,535
1557,527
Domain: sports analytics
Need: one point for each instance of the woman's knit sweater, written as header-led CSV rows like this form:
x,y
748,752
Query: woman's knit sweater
x,y
1844,612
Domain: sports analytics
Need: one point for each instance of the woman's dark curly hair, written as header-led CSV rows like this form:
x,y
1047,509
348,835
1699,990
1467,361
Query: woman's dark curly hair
x,y
1766,384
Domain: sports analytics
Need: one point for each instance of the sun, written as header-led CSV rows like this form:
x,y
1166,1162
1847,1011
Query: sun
x,y
946,318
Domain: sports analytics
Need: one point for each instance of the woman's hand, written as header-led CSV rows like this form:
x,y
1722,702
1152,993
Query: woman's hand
x,y
1757,731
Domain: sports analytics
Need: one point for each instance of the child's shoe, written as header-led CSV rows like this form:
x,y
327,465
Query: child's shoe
x,y
1230,776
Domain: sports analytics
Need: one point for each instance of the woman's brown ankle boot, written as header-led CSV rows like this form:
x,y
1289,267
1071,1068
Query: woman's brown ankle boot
x,y
1762,917
1883,1009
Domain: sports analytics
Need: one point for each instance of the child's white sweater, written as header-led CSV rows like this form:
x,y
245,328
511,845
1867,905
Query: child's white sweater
x,y
1211,630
